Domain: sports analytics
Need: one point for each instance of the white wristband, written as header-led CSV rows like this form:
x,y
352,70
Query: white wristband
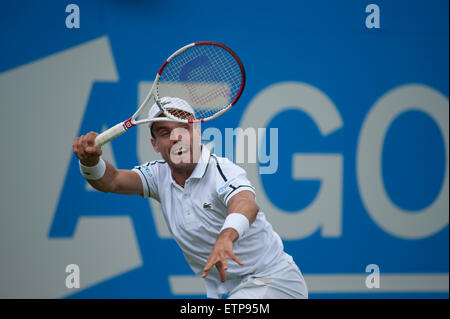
x,y
93,172
236,221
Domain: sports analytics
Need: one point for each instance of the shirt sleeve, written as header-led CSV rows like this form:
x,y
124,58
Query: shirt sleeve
x,y
148,172
231,180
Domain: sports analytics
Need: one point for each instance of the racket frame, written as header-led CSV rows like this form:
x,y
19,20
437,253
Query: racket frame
x,y
122,127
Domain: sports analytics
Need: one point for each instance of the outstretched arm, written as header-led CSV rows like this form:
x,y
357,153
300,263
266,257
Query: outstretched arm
x,y
241,203
113,180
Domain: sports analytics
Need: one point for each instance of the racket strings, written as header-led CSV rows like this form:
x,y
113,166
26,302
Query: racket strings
x,y
208,77
181,114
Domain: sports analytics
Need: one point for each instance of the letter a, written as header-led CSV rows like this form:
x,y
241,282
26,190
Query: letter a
x,y
73,19
373,19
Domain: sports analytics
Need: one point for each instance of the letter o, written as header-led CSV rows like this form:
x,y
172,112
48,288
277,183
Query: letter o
x,y
381,209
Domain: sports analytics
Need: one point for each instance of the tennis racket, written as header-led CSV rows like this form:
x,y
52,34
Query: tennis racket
x,y
209,76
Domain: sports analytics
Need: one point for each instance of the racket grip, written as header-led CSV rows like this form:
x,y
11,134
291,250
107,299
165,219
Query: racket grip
x,y
109,134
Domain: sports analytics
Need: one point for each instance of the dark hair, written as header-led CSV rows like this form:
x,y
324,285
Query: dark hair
x,y
151,132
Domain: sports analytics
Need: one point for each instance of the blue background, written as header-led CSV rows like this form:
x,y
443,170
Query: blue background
x,y
324,43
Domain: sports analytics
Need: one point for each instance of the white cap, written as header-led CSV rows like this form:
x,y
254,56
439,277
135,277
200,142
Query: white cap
x,y
169,103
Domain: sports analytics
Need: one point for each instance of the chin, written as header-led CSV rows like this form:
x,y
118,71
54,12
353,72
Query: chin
x,y
180,162
182,167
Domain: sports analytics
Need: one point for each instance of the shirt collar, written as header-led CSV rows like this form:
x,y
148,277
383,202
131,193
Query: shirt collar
x,y
202,165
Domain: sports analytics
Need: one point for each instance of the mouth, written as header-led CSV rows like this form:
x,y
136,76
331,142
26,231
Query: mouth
x,y
179,150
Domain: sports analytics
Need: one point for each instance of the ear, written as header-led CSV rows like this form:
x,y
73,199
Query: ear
x,y
155,145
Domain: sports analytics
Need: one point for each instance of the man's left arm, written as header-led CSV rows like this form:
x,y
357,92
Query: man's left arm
x,y
243,204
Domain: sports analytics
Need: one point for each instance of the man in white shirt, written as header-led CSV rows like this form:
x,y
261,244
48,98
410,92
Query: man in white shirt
x,y
209,207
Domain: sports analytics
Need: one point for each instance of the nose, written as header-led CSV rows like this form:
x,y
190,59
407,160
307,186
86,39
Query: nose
x,y
176,140
178,134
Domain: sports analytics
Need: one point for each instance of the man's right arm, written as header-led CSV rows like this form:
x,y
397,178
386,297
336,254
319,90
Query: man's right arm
x,y
114,180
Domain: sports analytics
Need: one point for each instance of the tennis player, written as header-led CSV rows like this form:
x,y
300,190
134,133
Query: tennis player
x,y
209,206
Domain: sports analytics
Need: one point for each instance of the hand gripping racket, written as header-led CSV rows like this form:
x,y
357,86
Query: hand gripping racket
x,y
209,76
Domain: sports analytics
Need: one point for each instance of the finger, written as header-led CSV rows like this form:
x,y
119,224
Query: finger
x,y
224,262
90,138
75,146
205,272
92,150
208,265
82,150
82,139
207,268
85,145
79,148
220,267
234,257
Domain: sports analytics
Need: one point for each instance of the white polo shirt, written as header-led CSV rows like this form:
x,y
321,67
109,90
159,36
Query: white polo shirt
x,y
195,214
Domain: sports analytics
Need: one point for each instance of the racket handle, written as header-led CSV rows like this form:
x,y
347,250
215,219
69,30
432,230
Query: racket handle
x,y
109,134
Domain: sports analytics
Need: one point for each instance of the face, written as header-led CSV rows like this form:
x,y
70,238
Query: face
x,y
178,143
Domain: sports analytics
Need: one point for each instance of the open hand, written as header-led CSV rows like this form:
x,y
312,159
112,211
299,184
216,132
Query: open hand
x,y
223,249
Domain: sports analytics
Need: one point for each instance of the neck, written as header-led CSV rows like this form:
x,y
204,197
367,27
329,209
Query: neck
x,y
181,175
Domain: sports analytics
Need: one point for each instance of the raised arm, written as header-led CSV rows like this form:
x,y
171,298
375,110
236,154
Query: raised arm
x,y
113,180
